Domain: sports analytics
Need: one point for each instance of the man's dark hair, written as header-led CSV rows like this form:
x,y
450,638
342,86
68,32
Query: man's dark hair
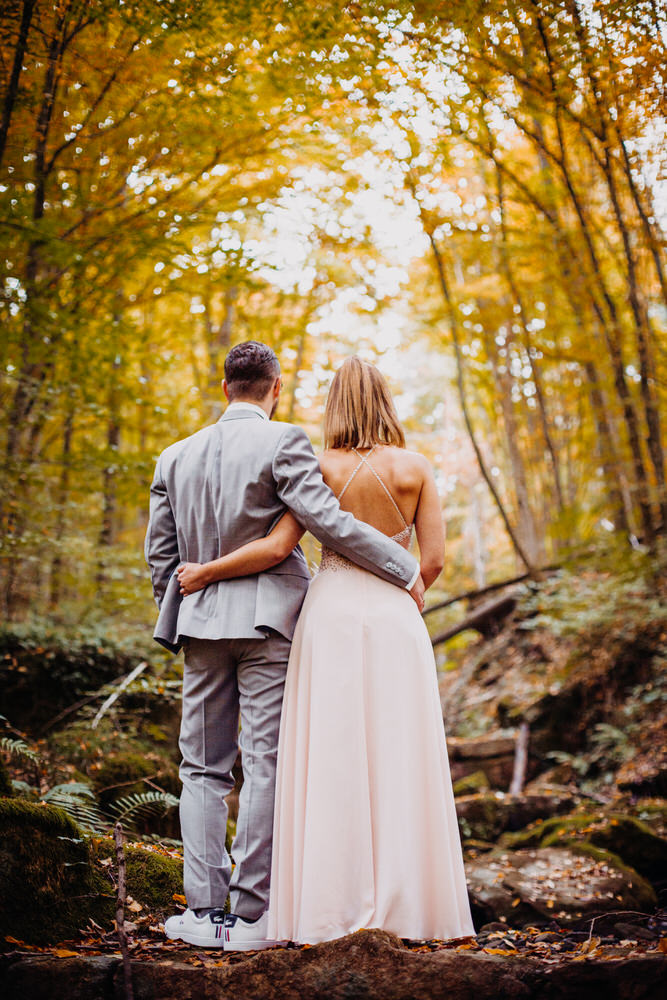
x,y
250,368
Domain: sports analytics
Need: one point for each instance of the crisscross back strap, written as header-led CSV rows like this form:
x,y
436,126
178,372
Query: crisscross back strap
x,y
356,469
363,460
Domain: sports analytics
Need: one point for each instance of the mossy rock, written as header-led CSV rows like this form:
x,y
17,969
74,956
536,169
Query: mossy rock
x,y
471,783
626,837
5,781
486,815
48,884
122,775
109,756
152,878
569,884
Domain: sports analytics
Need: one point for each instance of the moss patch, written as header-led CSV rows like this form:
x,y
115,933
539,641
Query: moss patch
x,y
122,775
625,837
152,878
48,884
471,783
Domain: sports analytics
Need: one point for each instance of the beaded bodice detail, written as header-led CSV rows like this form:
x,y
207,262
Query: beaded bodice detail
x,y
333,560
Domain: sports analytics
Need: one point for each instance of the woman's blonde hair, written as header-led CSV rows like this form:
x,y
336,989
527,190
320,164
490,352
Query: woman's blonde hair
x,y
360,411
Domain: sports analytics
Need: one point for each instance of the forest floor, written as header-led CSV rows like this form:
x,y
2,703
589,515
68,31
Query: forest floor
x,y
567,873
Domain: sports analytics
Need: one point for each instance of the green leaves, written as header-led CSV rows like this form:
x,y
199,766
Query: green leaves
x,y
18,748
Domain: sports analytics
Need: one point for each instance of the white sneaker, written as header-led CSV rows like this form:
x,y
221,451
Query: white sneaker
x,y
247,935
206,931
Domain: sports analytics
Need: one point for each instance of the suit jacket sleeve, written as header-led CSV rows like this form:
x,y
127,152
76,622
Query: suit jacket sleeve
x,y
161,546
301,487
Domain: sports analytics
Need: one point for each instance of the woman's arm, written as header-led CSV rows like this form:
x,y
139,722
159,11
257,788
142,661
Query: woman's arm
x,y
246,560
429,528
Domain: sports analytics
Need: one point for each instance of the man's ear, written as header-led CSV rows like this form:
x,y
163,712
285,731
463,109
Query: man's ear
x,y
277,386
225,388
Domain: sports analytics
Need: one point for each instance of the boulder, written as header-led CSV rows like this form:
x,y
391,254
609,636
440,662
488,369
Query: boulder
x,y
530,886
48,884
368,965
628,838
487,815
48,868
153,877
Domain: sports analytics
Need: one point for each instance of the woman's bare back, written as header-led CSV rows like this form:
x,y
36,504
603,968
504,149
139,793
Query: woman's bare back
x,y
380,486
408,478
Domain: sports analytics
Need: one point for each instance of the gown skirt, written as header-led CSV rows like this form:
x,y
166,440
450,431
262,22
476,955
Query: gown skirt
x,y
365,829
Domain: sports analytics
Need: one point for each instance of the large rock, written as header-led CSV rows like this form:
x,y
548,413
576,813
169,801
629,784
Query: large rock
x,y
487,815
529,886
153,878
53,879
369,965
624,836
48,884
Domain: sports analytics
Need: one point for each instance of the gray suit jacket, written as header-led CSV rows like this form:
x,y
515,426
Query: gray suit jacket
x,y
227,485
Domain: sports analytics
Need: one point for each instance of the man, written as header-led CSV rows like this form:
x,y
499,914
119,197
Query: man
x,y
218,489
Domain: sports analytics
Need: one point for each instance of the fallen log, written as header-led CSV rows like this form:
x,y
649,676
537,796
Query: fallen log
x,y
485,618
489,589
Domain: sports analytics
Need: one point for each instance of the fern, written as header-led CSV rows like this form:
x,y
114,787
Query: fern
x,y
18,748
142,803
78,800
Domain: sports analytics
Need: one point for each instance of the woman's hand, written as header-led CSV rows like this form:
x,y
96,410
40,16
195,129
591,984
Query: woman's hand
x,y
192,577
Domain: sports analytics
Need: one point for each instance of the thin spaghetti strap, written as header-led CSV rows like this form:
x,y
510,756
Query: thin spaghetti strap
x,y
364,461
361,462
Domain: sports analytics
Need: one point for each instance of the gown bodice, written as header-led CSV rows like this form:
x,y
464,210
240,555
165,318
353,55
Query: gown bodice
x,y
333,560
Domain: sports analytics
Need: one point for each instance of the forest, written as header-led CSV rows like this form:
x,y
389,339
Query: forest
x,y
470,195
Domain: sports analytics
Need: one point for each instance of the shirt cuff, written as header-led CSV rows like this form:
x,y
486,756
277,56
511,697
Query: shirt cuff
x,y
410,585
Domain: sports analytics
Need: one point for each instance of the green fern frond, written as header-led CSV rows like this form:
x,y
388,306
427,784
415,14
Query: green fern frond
x,y
18,748
78,800
146,803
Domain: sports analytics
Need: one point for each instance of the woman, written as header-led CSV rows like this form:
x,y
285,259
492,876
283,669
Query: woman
x,y
365,831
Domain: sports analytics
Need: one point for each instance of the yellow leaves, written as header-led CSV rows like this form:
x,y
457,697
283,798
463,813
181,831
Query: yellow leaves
x,y
588,949
64,953
178,898
497,951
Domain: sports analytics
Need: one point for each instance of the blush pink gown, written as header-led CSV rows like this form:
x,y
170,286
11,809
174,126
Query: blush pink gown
x,y
365,830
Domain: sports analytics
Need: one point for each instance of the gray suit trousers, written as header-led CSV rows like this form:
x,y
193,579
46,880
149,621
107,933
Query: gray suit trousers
x,y
225,679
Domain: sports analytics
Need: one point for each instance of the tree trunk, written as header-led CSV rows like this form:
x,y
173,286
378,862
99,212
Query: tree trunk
x,y
13,84
614,478
107,533
454,327
534,368
638,308
503,379
62,497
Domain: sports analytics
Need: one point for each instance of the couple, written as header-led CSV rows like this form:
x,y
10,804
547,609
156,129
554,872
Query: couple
x,y
364,832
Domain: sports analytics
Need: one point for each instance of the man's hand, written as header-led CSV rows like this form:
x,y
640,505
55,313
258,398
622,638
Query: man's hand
x,y
417,593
